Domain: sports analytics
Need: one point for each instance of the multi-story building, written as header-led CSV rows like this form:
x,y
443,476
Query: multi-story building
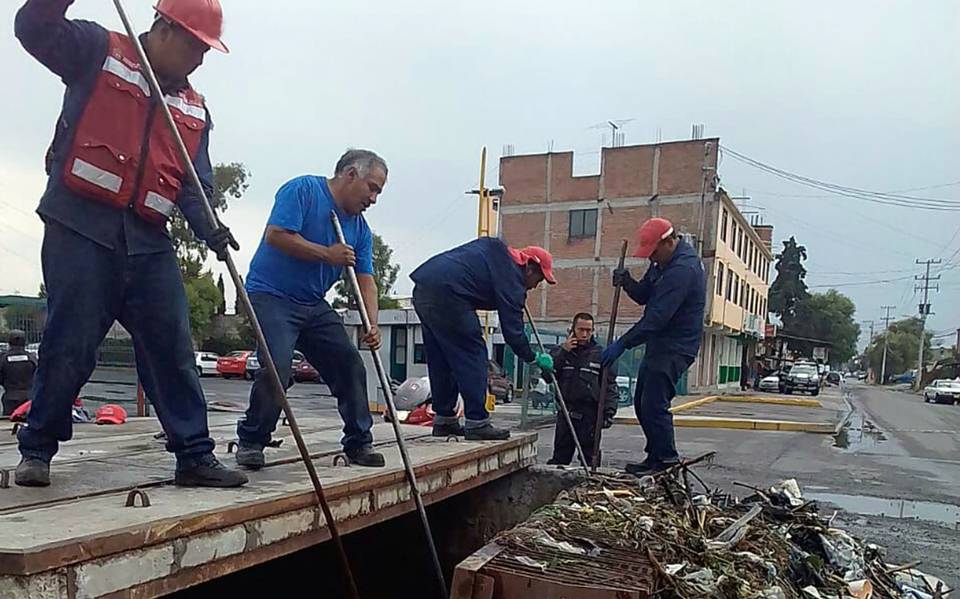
x,y
583,220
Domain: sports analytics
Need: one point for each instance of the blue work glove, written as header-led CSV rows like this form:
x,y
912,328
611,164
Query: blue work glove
x,y
612,353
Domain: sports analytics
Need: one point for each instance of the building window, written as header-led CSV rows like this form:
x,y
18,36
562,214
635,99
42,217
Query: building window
x,y
583,223
733,236
723,226
729,284
720,279
736,289
419,353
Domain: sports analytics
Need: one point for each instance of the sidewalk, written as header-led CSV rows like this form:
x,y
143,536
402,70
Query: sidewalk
x,y
757,411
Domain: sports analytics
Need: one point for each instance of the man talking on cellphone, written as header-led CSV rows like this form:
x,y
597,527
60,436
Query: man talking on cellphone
x,y
577,366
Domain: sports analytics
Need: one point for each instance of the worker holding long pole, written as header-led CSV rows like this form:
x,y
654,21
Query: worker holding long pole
x,y
484,274
115,178
674,293
298,261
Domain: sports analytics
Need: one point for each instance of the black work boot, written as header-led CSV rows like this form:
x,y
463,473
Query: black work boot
x,y
487,432
207,471
33,473
365,456
644,468
453,429
250,456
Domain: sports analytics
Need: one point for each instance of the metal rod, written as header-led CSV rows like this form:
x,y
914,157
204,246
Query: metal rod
x,y
266,359
603,372
392,413
560,402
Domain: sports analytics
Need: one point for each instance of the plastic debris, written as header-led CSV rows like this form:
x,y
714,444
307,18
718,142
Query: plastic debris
x,y
704,542
526,561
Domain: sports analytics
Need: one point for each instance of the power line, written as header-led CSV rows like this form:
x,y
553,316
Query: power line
x,y
890,199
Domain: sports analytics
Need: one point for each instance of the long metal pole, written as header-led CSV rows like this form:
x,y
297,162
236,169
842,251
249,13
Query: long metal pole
x,y
392,412
603,372
560,402
266,358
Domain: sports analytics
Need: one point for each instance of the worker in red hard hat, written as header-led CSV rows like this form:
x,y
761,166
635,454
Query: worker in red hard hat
x,y
484,274
115,178
674,293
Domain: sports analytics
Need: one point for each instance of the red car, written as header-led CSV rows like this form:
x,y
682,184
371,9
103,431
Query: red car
x,y
233,364
304,371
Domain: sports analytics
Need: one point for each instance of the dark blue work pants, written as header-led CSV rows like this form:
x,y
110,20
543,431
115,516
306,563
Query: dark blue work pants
x,y
317,331
656,387
88,288
456,356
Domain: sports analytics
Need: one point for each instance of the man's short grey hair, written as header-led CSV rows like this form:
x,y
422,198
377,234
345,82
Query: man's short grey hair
x,y
362,160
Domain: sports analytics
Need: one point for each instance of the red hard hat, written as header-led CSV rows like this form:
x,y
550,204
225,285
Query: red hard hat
x,y
111,414
536,254
651,233
202,18
20,414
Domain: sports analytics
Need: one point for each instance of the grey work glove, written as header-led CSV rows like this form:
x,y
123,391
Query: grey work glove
x,y
621,277
220,240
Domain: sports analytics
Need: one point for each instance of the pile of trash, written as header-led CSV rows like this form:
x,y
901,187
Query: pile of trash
x,y
701,542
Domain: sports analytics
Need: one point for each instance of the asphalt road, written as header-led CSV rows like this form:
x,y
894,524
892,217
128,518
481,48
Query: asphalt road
x,y
898,455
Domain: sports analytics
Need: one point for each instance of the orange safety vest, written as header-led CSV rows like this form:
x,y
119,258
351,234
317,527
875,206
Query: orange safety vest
x,y
123,153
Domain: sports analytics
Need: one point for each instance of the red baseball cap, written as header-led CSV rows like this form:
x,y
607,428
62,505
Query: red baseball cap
x,y
535,254
651,233
111,414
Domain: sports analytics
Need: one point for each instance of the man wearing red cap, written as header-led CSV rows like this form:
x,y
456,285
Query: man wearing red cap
x,y
115,177
485,274
674,293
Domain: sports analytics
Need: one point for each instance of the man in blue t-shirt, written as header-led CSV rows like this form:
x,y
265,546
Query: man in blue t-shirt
x,y
299,259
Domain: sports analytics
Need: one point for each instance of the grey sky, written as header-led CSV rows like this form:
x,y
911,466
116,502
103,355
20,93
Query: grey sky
x,y
863,94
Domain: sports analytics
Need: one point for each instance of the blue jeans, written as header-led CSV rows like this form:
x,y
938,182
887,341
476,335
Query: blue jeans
x,y
318,332
456,356
88,287
656,387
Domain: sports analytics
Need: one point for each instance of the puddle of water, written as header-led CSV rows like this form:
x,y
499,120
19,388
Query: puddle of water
x,y
859,433
905,509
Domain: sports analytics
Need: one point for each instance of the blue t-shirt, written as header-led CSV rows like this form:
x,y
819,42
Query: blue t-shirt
x,y
303,206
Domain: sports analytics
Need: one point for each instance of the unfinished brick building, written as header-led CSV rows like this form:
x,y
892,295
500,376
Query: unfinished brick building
x,y
582,220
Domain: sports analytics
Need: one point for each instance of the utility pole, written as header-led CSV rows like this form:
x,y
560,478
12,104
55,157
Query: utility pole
x,y
886,340
925,308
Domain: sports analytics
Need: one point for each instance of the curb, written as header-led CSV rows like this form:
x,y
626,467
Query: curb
x,y
756,424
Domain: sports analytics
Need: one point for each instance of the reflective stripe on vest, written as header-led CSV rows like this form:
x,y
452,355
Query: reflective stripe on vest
x,y
129,75
96,175
196,112
157,202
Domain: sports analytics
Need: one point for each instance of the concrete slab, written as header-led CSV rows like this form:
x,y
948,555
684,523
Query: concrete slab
x,y
76,538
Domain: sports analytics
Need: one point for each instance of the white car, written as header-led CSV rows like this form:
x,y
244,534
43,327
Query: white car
x,y
206,363
942,391
770,383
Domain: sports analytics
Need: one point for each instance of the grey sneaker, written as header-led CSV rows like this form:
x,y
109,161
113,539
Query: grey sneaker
x,y
487,433
207,471
33,473
250,456
365,456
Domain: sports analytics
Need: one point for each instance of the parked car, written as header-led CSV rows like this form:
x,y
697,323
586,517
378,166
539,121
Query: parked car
x,y
802,378
942,391
304,372
253,365
33,348
498,383
206,363
772,383
233,364
834,378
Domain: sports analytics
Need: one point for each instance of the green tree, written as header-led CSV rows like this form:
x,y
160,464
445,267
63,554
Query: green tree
x,y
230,181
222,308
28,318
902,349
384,273
828,316
203,297
789,287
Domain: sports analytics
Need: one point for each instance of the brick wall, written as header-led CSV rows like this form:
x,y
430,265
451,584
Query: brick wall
x,y
521,230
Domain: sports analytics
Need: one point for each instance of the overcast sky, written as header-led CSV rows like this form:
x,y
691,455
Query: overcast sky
x,y
863,94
